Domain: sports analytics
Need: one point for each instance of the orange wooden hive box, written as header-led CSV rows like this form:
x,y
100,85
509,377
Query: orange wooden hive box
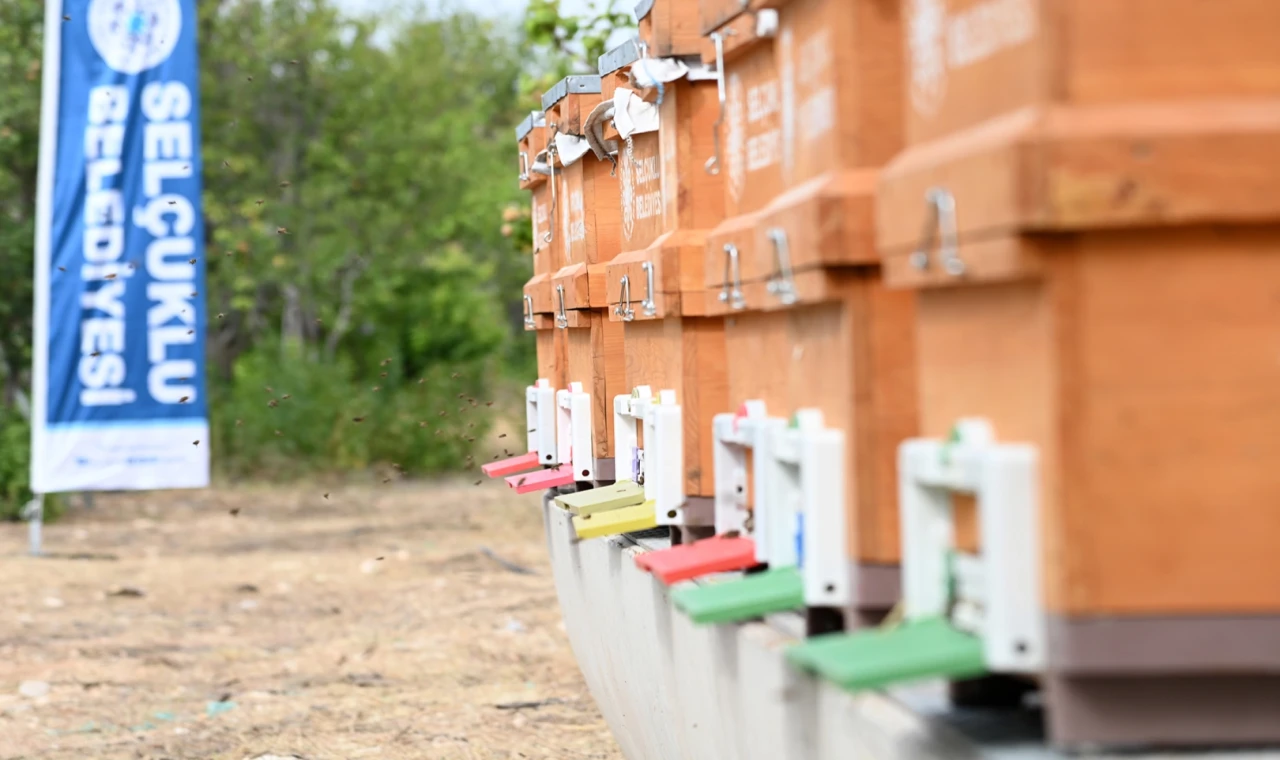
x,y
817,106
655,286
536,173
668,27
588,225
1089,211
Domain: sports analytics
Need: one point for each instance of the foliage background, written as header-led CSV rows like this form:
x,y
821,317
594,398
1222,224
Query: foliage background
x,y
384,145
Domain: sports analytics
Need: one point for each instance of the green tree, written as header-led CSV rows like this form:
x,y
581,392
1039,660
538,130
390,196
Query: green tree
x,y
366,240
21,30
561,44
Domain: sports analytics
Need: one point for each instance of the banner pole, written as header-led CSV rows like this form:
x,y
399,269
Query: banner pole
x,y
50,93
35,524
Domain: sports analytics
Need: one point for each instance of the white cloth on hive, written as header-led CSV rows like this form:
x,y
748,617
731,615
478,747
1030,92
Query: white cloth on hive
x,y
632,115
648,72
570,148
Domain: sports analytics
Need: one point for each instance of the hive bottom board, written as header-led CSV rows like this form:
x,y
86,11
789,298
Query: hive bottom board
x,y
671,690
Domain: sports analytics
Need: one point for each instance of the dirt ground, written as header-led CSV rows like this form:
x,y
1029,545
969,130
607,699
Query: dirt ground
x,y
375,623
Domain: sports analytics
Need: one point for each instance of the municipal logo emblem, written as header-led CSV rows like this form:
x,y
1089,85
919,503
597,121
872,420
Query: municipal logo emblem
x,y
133,36
564,215
927,47
628,192
787,70
735,136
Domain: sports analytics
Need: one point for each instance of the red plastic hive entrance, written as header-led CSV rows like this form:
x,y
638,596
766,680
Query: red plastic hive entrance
x,y
711,555
503,467
552,477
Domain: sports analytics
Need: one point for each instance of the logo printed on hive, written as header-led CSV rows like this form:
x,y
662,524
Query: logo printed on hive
x,y
628,193
927,47
940,41
735,136
133,36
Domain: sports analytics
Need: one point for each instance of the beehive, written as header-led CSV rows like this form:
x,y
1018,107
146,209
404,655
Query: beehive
x,y
586,222
811,324
655,286
1085,214
668,28
531,135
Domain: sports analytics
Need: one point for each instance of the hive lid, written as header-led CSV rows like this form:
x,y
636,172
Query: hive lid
x,y
643,8
751,596
576,84
877,658
623,55
534,119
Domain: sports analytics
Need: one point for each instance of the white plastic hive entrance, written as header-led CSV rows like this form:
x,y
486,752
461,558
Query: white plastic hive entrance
x,y
995,594
659,465
540,420
628,417
734,435
573,431
802,469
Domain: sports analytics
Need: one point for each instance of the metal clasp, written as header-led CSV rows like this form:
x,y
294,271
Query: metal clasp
x,y
623,309
782,284
528,311
562,317
731,291
649,307
524,166
940,225
551,163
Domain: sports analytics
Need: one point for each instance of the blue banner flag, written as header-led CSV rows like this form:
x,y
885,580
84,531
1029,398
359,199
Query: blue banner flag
x,y
118,376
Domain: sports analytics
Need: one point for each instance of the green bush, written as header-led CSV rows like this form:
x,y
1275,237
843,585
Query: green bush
x,y
15,468
316,428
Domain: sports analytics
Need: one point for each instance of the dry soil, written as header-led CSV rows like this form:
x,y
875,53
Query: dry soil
x,y
369,624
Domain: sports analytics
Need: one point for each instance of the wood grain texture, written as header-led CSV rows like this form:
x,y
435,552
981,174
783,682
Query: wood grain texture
x,y
671,28
1169,450
842,62
552,356
1115,210
539,290
1135,367
1092,114
686,355
595,359
545,253
532,144
1094,167
847,349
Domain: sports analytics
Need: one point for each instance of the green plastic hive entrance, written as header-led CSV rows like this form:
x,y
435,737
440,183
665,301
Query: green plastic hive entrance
x,y
752,596
917,650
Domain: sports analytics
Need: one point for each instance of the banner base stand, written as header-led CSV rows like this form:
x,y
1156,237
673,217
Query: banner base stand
x,y
34,514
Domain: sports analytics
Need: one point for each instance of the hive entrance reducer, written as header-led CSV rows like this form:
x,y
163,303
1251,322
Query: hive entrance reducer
x,y
803,512
540,435
966,613
540,424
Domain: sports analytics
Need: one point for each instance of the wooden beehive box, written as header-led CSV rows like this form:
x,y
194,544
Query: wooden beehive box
x,y
669,28
668,204
586,216
810,322
1100,209
748,155
531,136
587,225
